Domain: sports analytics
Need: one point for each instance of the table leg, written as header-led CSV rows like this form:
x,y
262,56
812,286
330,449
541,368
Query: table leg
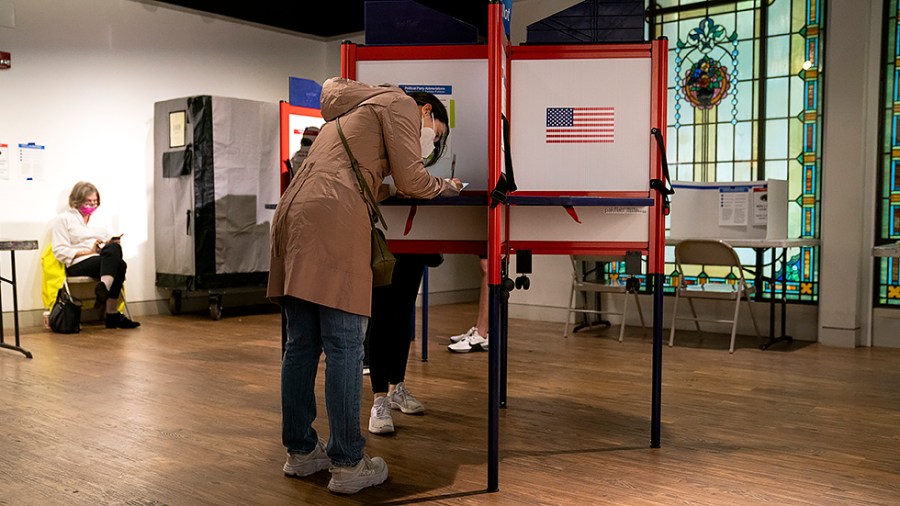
x,y
783,337
586,318
12,281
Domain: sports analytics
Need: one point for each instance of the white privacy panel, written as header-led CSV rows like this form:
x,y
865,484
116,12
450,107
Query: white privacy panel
x,y
598,224
581,124
437,223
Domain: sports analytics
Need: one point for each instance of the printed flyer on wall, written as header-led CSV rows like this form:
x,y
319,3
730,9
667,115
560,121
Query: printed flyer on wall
x,y
4,162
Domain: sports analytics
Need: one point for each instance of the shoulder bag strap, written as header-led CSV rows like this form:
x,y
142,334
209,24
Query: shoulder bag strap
x,y
364,187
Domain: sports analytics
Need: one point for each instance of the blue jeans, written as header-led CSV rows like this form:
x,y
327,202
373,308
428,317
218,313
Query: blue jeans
x,y
310,329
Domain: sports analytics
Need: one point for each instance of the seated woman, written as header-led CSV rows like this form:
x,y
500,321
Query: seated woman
x,y
88,250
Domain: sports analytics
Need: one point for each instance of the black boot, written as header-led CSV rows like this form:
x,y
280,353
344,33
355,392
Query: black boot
x,y
120,321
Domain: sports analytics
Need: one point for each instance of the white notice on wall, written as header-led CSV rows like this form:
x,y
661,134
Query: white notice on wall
x,y
4,162
760,205
31,161
733,204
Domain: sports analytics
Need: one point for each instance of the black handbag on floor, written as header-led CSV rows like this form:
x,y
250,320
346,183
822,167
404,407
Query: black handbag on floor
x,y
65,317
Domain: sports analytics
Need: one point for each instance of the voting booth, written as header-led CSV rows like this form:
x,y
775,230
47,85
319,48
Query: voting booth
x,y
729,210
563,149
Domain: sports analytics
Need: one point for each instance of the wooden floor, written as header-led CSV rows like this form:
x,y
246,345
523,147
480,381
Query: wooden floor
x,y
186,411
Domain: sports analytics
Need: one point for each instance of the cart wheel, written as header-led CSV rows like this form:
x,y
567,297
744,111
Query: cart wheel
x,y
215,311
175,302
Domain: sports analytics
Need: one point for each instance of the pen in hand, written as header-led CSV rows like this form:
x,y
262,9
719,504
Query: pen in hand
x,y
453,167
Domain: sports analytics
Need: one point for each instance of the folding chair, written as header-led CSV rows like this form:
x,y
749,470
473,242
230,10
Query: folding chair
x,y
88,295
584,285
716,254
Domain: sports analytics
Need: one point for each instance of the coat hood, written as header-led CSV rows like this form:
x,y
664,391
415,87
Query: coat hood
x,y
340,95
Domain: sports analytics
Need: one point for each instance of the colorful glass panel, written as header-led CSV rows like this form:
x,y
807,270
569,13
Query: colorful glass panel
x,y
725,126
887,220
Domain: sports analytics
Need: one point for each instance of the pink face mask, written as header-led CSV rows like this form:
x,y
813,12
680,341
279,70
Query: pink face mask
x,y
87,210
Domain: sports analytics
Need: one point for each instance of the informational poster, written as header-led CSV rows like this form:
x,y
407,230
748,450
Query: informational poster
x,y
4,162
31,161
177,131
760,204
734,202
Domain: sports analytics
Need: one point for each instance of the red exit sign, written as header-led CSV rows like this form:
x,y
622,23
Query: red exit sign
x,y
5,60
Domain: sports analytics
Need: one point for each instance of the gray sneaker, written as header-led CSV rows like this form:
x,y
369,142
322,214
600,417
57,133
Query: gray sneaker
x,y
300,464
380,421
401,399
366,473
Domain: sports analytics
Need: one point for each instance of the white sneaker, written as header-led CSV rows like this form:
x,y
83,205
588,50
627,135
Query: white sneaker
x,y
350,480
380,421
474,342
401,399
460,337
299,464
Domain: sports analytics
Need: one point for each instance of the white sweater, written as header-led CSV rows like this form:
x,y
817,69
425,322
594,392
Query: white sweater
x,y
70,234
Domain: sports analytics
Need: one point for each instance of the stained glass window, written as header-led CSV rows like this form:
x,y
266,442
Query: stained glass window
x,y
744,104
887,283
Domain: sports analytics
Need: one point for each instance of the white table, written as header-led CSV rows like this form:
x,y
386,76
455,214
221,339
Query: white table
x,y
887,250
759,245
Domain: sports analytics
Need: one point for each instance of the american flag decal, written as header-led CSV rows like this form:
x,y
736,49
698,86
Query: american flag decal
x,y
581,124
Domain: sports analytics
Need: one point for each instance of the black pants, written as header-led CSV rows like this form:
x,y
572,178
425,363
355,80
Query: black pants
x,y
109,263
391,328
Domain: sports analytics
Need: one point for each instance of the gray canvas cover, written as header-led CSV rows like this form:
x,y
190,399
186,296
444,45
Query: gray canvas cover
x,y
214,195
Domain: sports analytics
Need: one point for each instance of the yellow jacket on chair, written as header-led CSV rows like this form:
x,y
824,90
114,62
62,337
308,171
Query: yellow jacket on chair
x,y
54,274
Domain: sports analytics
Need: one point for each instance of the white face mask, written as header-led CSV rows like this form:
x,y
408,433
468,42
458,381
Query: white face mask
x,y
426,139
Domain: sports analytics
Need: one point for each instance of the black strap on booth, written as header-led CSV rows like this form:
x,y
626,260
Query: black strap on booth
x,y
507,181
663,187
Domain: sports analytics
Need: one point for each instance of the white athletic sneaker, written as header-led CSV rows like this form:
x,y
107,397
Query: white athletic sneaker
x,y
474,342
299,464
401,399
460,337
380,421
350,480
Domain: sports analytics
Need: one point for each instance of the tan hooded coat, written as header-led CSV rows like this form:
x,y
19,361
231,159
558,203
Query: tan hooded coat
x,y
321,249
